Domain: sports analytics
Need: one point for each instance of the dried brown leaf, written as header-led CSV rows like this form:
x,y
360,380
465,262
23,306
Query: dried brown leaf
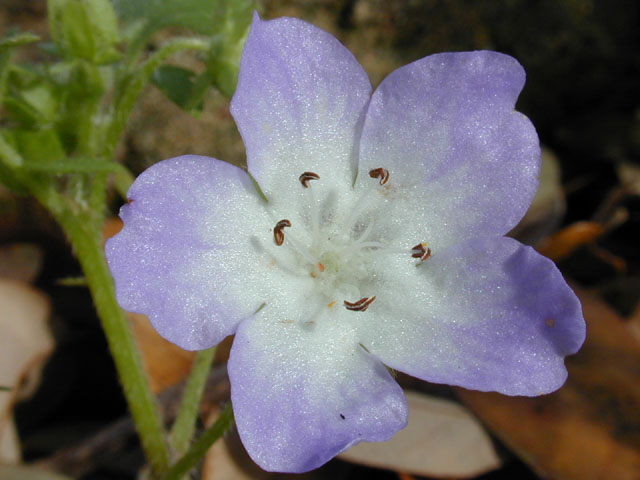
x,y
25,343
20,261
166,364
442,439
564,242
590,428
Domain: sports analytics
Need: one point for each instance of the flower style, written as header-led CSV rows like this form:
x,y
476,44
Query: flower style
x,y
376,239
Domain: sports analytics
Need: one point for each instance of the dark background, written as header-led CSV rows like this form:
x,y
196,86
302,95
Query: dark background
x,y
582,59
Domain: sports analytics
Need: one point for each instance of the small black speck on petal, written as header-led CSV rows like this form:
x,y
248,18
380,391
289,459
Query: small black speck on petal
x,y
342,416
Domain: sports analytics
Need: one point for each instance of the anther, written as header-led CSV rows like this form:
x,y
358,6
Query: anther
x,y
306,176
420,252
381,173
278,234
361,305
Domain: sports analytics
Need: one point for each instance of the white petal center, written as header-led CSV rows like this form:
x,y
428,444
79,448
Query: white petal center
x,y
334,243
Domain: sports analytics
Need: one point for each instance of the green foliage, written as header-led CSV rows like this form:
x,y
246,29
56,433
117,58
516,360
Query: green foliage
x,y
86,29
226,21
232,27
39,146
62,120
29,98
151,15
176,83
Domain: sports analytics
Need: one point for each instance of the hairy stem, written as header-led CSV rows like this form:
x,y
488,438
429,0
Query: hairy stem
x,y
184,426
88,249
200,447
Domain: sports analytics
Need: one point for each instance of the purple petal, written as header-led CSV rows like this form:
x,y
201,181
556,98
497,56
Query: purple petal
x,y
299,106
462,162
303,392
185,256
490,314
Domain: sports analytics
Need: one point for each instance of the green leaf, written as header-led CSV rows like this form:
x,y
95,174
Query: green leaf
x,y
42,152
7,44
38,146
50,48
232,28
10,161
196,15
74,165
133,84
175,82
8,153
17,39
30,98
86,29
10,181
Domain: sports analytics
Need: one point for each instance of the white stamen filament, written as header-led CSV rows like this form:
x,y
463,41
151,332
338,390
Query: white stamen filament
x,y
340,264
301,249
359,207
315,217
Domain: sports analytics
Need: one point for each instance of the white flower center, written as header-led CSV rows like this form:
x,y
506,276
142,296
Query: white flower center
x,y
339,258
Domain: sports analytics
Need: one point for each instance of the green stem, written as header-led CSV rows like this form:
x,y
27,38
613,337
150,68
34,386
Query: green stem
x,y
185,423
88,249
98,197
133,84
200,447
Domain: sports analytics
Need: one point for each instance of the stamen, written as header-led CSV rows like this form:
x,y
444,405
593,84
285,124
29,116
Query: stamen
x,y
361,305
420,252
278,234
304,180
381,173
358,243
306,176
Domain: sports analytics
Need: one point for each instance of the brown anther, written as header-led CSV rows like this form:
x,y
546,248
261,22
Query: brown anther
x,y
306,176
278,234
332,304
361,305
420,252
320,267
550,322
381,173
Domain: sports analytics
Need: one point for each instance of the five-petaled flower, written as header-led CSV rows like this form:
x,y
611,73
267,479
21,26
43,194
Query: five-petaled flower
x,y
380,242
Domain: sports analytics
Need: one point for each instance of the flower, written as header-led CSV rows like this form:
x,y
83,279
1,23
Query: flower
x,y
380,243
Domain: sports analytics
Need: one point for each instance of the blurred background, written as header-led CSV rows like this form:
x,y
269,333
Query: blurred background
x,y
582,59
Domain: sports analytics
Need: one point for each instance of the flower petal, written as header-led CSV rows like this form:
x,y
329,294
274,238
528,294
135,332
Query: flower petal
x,y
490,314
462,162
304,392
299,106
185,256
